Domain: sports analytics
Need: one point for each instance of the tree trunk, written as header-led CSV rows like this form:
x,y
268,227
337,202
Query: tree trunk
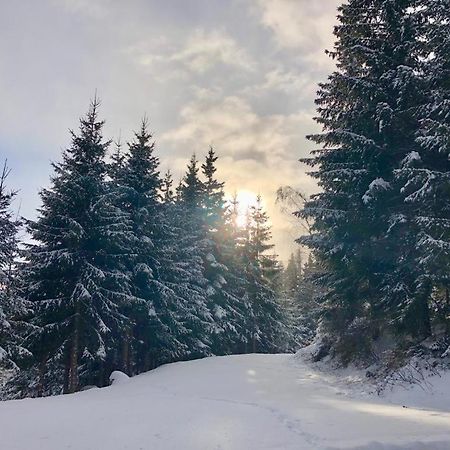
x,y
41,384
126,353
66,374
73,370
423,321
254,337
447,309
426,318
102,381
147,362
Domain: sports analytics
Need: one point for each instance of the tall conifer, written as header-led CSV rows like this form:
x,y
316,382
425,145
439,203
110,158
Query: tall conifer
x,y
73,279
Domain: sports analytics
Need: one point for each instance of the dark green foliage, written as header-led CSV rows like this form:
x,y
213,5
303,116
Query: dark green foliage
x,y
123,274
379,222
301,299
136,182
423,178
12,307
266,327
73,278
223,294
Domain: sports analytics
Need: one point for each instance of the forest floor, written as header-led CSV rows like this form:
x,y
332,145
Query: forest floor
x,y
248,402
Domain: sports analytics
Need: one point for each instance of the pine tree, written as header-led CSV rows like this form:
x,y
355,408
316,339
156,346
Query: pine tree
x,y
72,277
222,287
232,249
292,276
156,316
213,195
12,307
424,175
306,307
191,189
261,269
188,252
167,193
368,112
116,165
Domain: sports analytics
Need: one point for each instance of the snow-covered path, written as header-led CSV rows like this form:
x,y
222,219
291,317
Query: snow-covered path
x,y
249,402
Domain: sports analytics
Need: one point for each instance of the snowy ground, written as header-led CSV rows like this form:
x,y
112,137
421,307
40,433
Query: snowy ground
x,y
250,402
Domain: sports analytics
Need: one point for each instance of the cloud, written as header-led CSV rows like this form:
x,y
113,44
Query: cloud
x,y
235,127
240,75
300,24
96,9
204,50
197,53
280,80
257,153
286,81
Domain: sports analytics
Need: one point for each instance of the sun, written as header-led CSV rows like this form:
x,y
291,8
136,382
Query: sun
x,y
245,199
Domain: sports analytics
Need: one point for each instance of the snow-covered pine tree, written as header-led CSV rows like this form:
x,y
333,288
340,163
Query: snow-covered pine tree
x,y
424,175
186,249
12,307
305,307
368,112
222,290
191,188
72,276
156,315
116,165
267,320
167,193
184,300
292,275
292,278
213,198
233,238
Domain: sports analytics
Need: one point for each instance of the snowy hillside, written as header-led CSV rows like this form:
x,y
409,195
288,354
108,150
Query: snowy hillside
x,y
231,403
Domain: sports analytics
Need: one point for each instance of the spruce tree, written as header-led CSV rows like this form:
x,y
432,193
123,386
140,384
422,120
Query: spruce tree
x,y
292,275
156,315
188,250
267,322
167,193
116,164
222,289
232,248
12,307
305,307
362,230
72,278
424,175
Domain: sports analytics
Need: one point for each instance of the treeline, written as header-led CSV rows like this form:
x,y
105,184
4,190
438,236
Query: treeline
x,y
381,223
300,297
127,272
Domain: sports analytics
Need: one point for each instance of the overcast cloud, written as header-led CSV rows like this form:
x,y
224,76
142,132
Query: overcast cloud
x,y
237,74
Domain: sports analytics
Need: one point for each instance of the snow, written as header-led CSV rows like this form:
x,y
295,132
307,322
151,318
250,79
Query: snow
x,y
379,184
410,158
118,377
210,257
210,291
248,402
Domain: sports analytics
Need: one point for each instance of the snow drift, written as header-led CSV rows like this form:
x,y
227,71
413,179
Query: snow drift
x,y
248,402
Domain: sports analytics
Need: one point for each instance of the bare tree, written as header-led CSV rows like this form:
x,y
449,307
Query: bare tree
x,y
292,201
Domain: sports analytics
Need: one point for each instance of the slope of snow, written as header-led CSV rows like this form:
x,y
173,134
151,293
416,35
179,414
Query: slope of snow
x,y
249,402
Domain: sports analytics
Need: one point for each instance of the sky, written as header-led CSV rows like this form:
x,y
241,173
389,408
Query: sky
x,y
240,75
